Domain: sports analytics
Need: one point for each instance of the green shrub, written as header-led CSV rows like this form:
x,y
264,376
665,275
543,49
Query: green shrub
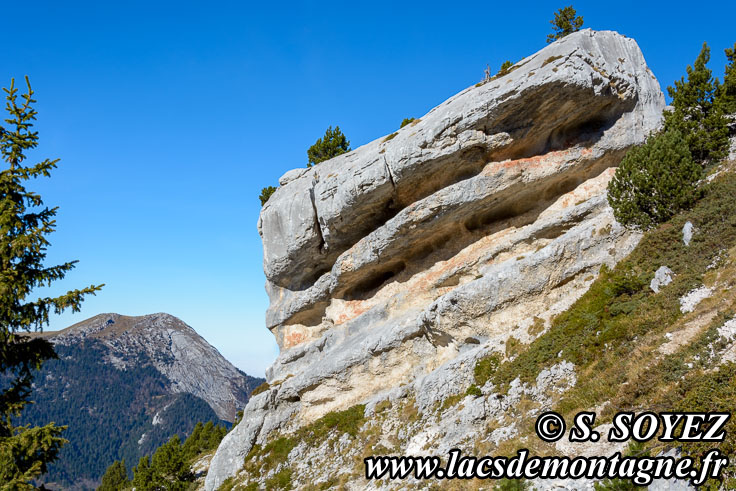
x,y
485,368
280,480
513,347
505,68
617,485
474,390
261,388
406,121
551,59
228,484
511,485
347,421
654,182
266,193
390,137
276,451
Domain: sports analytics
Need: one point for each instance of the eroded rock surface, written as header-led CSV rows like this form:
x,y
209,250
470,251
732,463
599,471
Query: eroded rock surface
x,y
392,268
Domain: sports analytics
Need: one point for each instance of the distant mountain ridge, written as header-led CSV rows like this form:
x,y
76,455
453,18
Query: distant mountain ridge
x,y
190,363
124,385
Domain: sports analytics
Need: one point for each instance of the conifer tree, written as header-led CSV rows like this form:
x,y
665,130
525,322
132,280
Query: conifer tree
x,y
143,478
505,68
169,467
726,94
115,478
695,116
266,194
654,181
25,451
566,22
334,143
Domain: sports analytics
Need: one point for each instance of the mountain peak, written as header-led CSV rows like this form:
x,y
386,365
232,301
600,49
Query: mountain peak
x,y
186,360
112,325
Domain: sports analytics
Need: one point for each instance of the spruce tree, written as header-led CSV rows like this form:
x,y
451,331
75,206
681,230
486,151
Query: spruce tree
x,y
654,181
334,143
726,93
695,116
25,451
566,22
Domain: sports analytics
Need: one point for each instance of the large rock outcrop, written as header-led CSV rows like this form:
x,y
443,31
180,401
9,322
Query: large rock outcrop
x,y
395,265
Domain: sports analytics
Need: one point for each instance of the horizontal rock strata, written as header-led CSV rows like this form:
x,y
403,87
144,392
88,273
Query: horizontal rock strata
x,y
389,265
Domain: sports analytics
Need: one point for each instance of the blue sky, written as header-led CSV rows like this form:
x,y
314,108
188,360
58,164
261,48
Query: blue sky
x,y
169,117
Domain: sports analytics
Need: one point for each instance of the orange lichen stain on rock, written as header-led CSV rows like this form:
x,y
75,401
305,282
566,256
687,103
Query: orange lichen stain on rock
x,y
294,338
535,161
352,309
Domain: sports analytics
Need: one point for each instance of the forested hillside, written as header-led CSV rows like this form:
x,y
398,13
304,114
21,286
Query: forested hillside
x,y
111,414
123,386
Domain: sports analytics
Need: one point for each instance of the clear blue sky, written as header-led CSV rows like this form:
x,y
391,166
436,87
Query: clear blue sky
x,y
169,117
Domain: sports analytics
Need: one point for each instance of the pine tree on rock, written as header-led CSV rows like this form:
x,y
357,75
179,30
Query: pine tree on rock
x,y
654,181
266,194
25,451
566,22
331,145
701,122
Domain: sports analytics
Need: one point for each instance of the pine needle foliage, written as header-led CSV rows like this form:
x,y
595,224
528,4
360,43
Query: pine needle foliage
x,y
169,466
695,116
654,181
167,469
566,22
25,451
115,478
331,145
266,194
505,68
726,93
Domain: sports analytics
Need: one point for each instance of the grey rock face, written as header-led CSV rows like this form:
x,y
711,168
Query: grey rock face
x,y
579,87
662,277
393,268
